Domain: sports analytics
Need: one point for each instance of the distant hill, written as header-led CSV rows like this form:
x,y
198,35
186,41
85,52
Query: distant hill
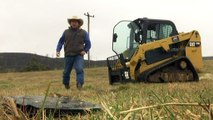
x,y
33,62
208,58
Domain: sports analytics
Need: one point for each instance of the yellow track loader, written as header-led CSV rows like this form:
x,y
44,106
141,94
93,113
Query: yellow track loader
x,y
152,50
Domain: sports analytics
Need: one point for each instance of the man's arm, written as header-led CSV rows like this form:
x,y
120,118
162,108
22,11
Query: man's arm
x,y
87,42
60,43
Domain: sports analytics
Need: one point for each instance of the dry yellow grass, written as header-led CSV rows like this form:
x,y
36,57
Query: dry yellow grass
x,y
117,98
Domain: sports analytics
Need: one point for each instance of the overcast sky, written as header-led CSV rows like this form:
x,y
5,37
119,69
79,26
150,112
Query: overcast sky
x,y
35,26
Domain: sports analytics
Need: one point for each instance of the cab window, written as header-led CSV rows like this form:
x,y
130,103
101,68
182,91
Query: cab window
x,y
158,31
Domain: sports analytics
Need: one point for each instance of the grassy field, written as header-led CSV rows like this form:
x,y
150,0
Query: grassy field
x,y
144,101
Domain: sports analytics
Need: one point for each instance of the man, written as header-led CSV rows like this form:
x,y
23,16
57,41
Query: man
x,y
76,43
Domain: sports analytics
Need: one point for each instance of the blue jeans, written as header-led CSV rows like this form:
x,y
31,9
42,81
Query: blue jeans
x,y
78,63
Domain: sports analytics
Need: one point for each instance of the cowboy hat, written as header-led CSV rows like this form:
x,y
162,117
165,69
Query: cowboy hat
x,y
75,18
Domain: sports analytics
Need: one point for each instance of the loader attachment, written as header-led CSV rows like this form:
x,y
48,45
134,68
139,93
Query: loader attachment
x,y
117,70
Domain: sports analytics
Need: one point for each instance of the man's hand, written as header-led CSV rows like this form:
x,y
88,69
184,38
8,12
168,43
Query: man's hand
x,y
57,54
83,53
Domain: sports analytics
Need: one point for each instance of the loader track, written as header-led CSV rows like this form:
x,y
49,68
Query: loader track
x,y
172,71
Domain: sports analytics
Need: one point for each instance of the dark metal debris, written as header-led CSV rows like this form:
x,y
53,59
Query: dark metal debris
x,y
54,105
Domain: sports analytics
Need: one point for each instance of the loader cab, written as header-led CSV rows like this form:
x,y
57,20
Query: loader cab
x,y
128,35
154,29
124,39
